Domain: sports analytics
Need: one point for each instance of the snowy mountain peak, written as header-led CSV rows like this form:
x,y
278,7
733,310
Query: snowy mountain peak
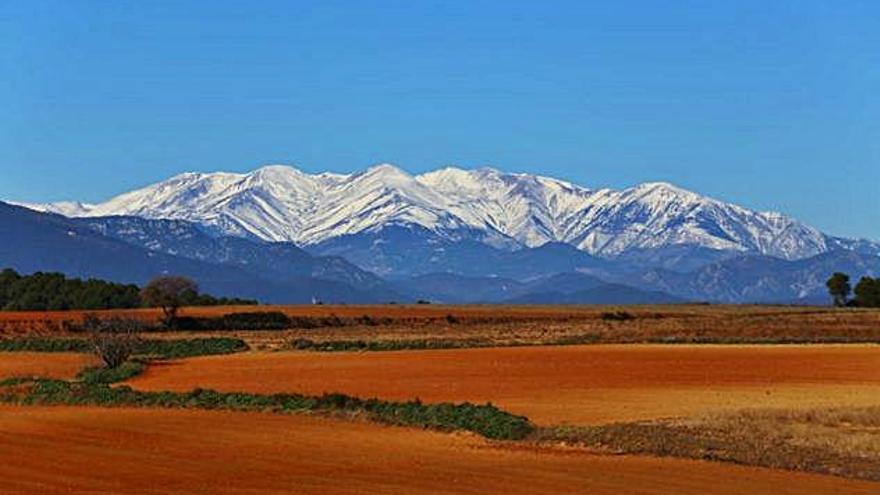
x,y
283,203
385,169
665,191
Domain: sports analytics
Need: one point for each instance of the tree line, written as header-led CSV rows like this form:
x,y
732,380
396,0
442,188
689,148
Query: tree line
x,y
866,291
44,291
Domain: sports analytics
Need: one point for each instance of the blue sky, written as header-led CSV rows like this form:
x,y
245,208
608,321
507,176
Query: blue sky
x,y
773,105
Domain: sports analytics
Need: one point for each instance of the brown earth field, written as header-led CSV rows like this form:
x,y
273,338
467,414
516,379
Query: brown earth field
x,y
55,450
55,365
551,385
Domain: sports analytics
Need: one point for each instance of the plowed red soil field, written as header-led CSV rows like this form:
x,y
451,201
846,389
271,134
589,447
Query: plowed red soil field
x,y
149,451
56,365
550,385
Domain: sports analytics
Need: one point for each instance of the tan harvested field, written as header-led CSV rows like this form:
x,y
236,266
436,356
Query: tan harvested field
x,y
129,451
557,384
54,365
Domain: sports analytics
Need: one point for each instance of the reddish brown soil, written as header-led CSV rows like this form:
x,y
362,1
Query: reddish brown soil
x,y
575,384
55,365
149,451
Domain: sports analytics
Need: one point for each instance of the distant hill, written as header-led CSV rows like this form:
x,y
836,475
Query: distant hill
x,y
34,241
278,261
401,252
451,288
762,278
602,294
561,288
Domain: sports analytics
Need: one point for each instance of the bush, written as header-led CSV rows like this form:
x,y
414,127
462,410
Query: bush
x,y
113,340
182,348
617,316
257,320
96,375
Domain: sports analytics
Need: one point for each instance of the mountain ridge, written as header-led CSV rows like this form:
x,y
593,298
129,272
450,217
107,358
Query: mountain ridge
x,y
34,241
503,210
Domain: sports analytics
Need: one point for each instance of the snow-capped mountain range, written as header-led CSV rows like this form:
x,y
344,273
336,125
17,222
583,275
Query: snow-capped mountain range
x,y
503,210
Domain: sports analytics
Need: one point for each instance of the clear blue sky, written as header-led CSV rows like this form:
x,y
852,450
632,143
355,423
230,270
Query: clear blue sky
x,y
770,104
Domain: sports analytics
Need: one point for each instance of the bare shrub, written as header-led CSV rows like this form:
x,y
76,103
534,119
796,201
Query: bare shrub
x,y
113,340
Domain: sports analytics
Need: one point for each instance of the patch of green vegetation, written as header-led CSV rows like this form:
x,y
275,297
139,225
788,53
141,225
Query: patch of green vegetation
x,y
15,380
424,344
252,320
486,420
272,320
385,345
100,374
53,291
181,348
154,348
583,339
41,344
48,291
617,316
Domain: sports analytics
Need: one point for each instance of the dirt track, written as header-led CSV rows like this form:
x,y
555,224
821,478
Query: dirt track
x,y
575,384
56,365
91,450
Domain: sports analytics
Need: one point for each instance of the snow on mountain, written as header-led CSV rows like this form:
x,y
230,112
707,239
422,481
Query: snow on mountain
x,y
531,209
654,215
65,208
281,203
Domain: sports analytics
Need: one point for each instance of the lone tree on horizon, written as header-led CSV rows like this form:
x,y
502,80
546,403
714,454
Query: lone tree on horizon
x,y
169,293
867,292
839,288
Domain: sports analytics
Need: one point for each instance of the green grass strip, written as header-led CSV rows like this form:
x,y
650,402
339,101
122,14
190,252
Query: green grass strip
x,y
486,420
154,348
94,375
384,345
39,344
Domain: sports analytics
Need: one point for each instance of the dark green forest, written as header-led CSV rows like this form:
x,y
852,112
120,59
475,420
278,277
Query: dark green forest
x,y
54,291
